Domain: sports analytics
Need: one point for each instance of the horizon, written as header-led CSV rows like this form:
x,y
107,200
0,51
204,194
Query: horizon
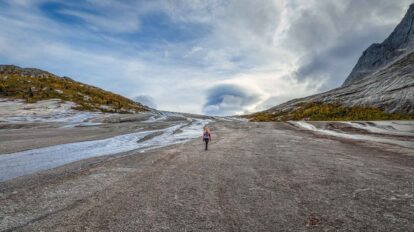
x,y
209,57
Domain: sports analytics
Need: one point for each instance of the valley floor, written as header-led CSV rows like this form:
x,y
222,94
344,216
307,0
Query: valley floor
x,y
255,177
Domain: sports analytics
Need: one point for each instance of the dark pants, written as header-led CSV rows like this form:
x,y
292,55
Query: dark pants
x,y
206,141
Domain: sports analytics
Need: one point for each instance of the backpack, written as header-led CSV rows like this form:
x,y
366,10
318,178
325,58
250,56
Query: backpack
x,y
206,135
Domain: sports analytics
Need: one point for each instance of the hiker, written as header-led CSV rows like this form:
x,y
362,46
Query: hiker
x,y
206,136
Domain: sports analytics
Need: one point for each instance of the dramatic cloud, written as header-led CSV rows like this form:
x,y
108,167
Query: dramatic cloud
x,y
201,56
331,35
228,100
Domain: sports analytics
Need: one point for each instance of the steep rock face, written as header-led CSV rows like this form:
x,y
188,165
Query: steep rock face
x,y
377,56
383,77
390,89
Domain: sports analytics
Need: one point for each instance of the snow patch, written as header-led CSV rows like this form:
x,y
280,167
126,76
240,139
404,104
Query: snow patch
x,y
53,110
156,118
404,128
308,126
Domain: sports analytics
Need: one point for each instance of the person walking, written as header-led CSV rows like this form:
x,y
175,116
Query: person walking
x,y
206,136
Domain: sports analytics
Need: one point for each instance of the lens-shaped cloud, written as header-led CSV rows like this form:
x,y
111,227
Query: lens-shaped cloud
x,y
227,99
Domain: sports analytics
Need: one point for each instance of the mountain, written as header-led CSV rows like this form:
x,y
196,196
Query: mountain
x,y
380,86
33,85
399,43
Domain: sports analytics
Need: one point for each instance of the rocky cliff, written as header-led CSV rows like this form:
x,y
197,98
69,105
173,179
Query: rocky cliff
x,y
377,56
390,89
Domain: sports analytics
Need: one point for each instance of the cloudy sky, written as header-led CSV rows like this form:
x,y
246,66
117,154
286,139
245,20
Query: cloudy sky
x,y
218,57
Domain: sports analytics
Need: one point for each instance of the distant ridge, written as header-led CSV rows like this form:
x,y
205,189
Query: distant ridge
x,y
27,72
32,85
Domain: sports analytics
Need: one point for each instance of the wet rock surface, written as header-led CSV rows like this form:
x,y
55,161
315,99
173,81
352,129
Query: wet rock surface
x,y
255,177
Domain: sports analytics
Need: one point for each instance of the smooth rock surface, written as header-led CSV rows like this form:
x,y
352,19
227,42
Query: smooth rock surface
x,y
255,177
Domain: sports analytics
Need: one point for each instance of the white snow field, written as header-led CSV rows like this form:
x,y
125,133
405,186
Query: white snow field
x,y
31,161
405,127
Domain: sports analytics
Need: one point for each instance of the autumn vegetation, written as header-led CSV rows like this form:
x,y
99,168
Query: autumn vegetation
x,y
316,111
33,85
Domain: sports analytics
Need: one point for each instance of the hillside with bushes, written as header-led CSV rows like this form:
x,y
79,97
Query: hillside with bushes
x,y
33,85
316,111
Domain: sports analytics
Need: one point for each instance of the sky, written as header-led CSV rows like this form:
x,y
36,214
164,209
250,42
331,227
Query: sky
x,y
215,57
